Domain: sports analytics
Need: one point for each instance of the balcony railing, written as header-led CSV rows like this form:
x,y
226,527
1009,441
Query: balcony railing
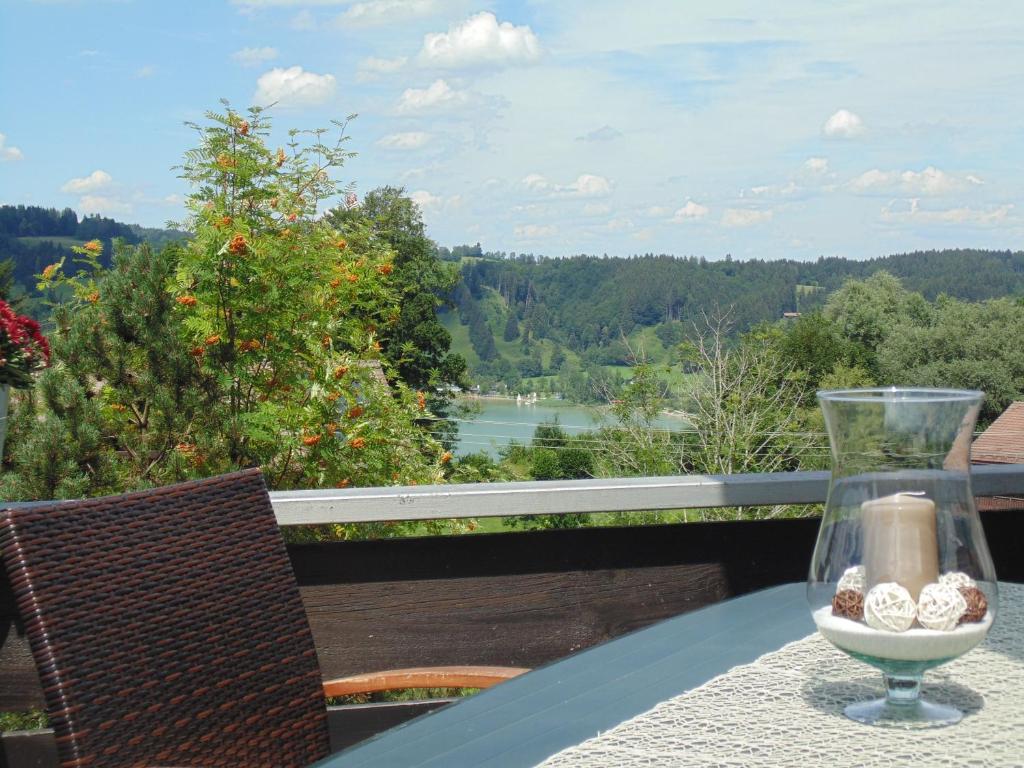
x,y
519,598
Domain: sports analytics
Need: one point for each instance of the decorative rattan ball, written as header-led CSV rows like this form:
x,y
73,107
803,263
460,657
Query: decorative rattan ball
x,y
849,604
889,607
940,607
977,604
957,579
852,579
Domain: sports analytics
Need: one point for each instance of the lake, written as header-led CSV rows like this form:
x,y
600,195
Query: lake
x,y
501,420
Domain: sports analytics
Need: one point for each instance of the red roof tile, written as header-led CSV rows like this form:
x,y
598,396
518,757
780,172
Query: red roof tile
x,y
1003,441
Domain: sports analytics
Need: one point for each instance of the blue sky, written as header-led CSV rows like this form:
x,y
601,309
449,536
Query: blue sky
x,y
764,130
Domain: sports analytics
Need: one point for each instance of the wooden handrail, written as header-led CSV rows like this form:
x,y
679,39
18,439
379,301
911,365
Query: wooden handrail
x,y
421,677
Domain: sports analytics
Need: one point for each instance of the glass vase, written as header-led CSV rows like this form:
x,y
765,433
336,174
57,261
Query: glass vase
x,y
901,576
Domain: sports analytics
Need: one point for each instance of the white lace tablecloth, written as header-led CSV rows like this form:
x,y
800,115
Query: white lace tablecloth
x,y
785,709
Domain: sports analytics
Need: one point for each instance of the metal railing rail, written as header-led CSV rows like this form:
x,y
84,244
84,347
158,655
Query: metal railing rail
x,y
554,497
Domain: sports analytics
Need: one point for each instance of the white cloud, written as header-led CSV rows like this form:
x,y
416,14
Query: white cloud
x,y
372,67
435,97
843,125
95,181
409,140
816,165
431,203
585,185
744,217
146,71
596,209
480,39
303,21
7,152
773,190
588,185
376,12
535,231
963,216
173,199
293,87
425,200
974,179
929,182
251,57
621,224
690,212
103,204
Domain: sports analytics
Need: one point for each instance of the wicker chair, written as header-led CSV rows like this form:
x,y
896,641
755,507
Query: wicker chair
x,y
167,629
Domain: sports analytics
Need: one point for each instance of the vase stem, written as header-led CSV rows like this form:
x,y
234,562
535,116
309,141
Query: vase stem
x,y
902,689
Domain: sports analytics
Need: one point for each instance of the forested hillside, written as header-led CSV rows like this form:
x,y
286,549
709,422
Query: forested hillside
x,y
32,238
589,307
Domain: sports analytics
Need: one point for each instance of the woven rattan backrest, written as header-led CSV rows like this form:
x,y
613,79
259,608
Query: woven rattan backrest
x,y
167,628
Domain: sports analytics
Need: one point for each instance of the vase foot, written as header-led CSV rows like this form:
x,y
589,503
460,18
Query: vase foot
x,y
910,715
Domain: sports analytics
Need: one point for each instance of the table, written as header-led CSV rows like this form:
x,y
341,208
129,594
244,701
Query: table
x,y
525,720
744,683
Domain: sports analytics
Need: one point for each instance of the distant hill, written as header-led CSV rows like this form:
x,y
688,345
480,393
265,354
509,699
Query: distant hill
x,y
33,237
515,309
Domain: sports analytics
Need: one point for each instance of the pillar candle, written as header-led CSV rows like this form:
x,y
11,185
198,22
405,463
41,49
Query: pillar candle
x,y
900,541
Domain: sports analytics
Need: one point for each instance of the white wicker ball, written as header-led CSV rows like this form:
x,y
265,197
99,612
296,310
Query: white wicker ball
x,y
940,607
889,607
957,579
853,578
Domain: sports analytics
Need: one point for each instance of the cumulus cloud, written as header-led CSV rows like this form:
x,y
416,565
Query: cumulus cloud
x,y
604,133
816,165
372,67
690,212
293,87
585,185
372,13
744,217
95,181
535,231
621,224
596,209
146,71
843,125
929,182
431,203
8,152
104,204
480,40
409,140
657,211
975,217
173,199
252,57
437,96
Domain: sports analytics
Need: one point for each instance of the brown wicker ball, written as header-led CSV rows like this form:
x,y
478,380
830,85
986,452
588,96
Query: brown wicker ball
x,y
849,604
977,604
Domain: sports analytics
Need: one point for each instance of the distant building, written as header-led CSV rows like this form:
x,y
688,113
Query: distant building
x,y
1002,443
